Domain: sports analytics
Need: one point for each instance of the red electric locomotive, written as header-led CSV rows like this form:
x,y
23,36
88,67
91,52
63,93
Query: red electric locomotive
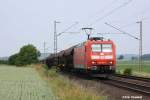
x,y
95,56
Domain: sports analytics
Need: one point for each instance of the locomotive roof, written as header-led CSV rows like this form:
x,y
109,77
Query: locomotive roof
x,y
92,39
96,38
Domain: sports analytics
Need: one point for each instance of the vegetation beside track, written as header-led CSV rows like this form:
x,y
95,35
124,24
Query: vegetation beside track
x,y
64,89
23,83
145,72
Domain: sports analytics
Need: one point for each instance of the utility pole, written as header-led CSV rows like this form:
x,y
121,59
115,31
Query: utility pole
x,y
140,46
55,41
140,41
44,45
56,35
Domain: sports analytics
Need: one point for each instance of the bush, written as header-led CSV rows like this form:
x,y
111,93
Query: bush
x,y
3,62
118,72
12,59
52,73
28,54
45,66
127,71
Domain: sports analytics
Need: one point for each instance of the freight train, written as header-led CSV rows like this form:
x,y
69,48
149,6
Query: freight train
x,y
94,56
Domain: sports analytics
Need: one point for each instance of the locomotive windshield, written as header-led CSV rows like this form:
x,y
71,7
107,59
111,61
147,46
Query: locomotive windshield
x,y
106,47
102,47
96,47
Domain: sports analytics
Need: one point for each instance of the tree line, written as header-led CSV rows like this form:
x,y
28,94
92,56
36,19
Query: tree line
x,y
28,54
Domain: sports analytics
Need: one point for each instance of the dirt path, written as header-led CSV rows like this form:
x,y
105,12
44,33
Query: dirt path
x,y
22,84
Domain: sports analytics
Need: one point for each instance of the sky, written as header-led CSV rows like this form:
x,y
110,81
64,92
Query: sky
x,y
25,22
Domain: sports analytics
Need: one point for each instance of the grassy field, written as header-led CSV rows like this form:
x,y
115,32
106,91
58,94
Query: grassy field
x,y
134,65
64,89
22,84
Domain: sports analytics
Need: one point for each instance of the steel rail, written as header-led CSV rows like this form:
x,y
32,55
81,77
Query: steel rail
x,y
144,79
145,90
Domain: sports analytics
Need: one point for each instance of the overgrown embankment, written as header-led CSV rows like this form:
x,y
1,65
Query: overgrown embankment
x,y
64,89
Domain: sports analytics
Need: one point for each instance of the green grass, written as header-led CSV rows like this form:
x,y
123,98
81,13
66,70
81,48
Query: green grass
x,y
134,65
22,83
64,89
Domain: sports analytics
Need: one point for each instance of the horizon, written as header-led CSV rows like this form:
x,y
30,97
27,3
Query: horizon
x,y
116,54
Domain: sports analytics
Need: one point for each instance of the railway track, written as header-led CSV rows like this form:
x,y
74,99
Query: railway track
x,y
138,87
137,84
133,77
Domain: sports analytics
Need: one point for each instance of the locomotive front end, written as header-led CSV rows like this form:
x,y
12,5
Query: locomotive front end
x,y
102,57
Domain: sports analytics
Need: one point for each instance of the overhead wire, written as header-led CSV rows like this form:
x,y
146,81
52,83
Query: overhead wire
x,y
123,32
146,18
103,9
111,12
68,28
138,13
133,23
144,11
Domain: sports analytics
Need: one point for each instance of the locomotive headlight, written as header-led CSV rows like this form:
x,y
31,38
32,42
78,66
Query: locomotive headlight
x,y
95,57
93,62
109,57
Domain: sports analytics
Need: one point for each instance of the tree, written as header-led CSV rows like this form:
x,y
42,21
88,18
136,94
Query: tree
x,y
3,62
120,57
12,59
134,58
28,54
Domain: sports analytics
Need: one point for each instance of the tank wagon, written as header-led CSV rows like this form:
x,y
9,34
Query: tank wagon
x,y
95,56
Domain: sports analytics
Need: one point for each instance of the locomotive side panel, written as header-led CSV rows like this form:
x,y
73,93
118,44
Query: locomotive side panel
x,y
79,59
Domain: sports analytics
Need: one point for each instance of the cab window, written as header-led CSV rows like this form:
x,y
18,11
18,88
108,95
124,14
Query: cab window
x,y
101,47
96,47
106,47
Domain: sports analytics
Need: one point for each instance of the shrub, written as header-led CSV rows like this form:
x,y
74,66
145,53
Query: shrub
x,y
45,66
118,72
28,54
12,59
127,71
52,72
3,62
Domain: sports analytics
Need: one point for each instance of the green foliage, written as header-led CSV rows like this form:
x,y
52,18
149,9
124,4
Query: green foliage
x,y
146,57
12,59
118,72
3,62
134,65
28,54
23,84
127,71
65,89
52,73
121,57
134,58
45,66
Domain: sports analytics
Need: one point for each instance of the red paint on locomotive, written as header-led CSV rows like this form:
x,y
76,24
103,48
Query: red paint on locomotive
x,y
95,55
